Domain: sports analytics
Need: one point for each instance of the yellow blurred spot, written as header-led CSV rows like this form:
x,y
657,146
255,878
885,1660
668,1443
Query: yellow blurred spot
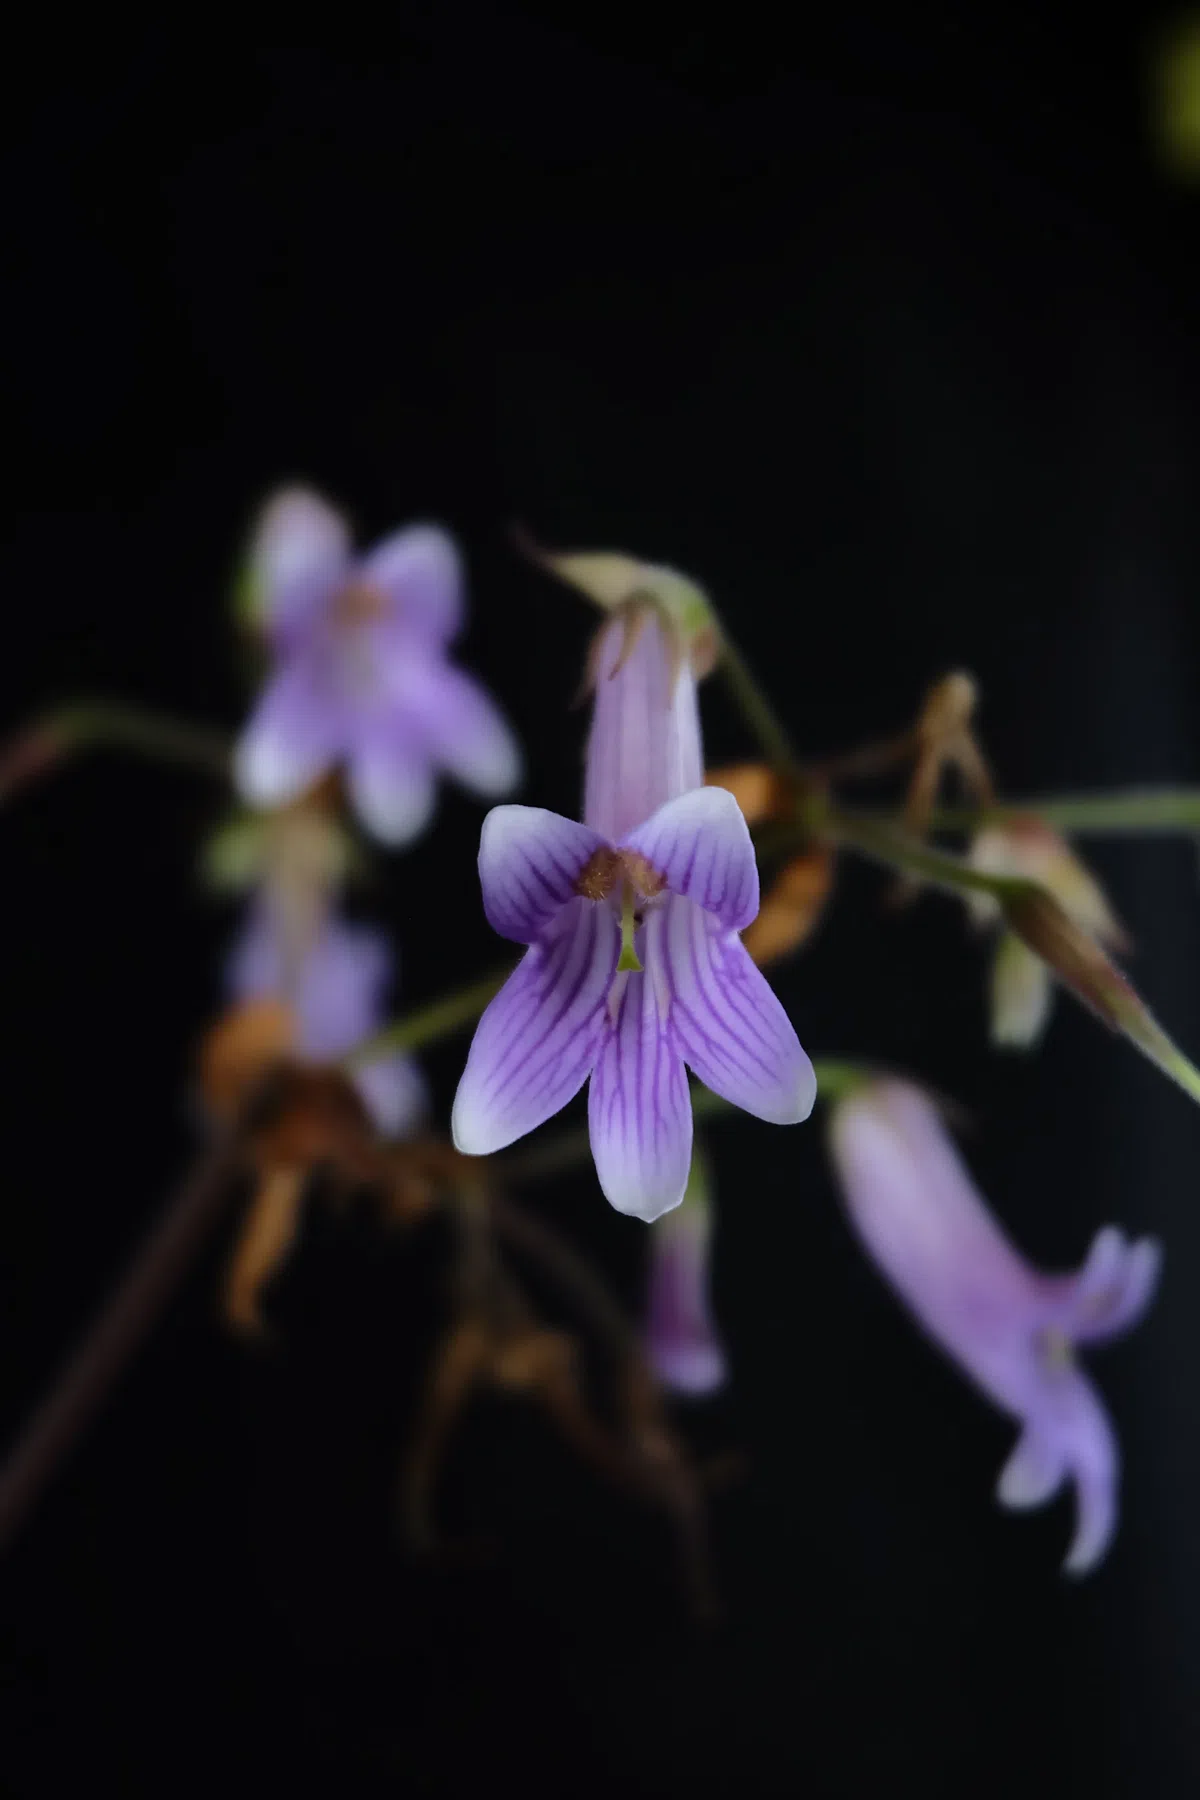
x,y
1178,97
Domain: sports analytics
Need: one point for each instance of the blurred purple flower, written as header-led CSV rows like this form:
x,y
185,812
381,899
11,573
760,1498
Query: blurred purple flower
x,y
635,967
681,1340
337,993
361,672
1011,1328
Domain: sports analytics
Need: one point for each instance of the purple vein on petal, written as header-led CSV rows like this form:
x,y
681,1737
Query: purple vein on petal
x,y
536,1043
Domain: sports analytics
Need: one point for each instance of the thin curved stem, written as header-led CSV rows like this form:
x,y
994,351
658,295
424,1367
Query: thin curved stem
x,y
91,724
1126,810
440,1019
754,706
129,1316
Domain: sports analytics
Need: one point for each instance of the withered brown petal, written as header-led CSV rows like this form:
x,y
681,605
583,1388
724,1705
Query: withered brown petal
x,y
267,1234
239,1049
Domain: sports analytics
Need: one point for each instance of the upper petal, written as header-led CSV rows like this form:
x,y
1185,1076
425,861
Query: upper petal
x,y
1110,1292
639,1109
700,845
529,863
299,555
295,731
537,1041
726,1020
419,571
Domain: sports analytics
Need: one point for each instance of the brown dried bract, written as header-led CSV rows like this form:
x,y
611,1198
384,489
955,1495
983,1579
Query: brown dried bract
x,y
792,906
267,1235
760,791
240,1048
944,740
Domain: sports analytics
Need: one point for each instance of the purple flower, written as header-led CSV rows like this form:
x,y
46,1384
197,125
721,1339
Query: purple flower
x,y
1011,1328
361,672
681,1341
635,970
337,993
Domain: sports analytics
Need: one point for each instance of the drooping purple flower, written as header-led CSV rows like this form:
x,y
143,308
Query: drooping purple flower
x,y
361,674
635,970
682,1345
337,992
1011,1328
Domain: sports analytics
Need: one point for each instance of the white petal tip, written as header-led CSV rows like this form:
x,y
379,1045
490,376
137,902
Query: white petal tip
x,y
692,1371
396,819
1084,1558
472,1132
641,1205
501,774
264,775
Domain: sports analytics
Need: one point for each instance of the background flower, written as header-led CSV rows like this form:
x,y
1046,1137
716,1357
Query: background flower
x,y
361,674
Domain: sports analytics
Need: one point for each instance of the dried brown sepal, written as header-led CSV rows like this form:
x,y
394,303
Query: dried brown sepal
x,y
944,741
761,791
322,1120
267,1235
614,581
418,1174
1082,965
1042,923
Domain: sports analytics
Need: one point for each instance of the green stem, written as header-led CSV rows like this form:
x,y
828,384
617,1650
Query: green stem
x,y
89,724
754,706
1127,810
884,842
430,1023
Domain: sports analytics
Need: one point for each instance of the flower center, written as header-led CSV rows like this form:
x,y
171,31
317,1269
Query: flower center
x,y
358,604
624,878
1057,1351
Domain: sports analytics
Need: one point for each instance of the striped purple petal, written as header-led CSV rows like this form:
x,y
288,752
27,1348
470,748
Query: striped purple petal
x,y
726,1021
700,844
529,863
639,1109
535,1045
419,572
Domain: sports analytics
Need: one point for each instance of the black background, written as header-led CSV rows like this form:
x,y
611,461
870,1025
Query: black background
x,y
890,339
